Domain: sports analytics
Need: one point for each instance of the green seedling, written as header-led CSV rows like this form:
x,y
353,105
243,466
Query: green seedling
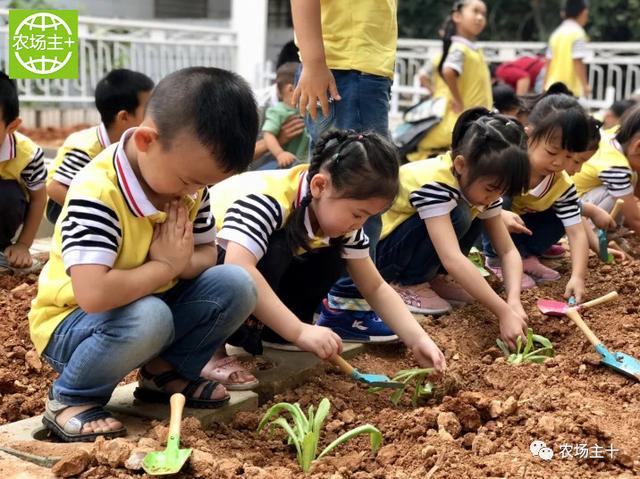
x,y
304,432
418,377
527,353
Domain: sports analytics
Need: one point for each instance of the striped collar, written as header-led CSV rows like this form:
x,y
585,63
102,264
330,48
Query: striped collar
x,y
465,41
129,184
8,148
103,136
303,189
543,187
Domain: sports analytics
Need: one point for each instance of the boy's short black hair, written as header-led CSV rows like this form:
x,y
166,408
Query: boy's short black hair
x,y
285,75
573,8
619,107
288,53
119,90
8,99
216,106
505,98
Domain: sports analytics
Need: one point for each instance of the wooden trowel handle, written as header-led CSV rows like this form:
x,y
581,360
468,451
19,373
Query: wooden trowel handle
x,y
602,299
573,314
177,405
341,363
616,209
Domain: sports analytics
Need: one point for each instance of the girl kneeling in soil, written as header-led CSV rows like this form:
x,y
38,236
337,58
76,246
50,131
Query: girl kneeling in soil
x,y
558,130
436,218
295,230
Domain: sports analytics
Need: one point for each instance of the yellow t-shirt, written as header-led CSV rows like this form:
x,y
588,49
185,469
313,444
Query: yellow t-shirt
x,y
22,160
429,188
567,43
360,35
252,206
106,219
608,167
555,191
76,152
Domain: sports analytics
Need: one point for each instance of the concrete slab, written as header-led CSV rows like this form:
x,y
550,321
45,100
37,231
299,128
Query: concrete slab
x,y
123,402
12,467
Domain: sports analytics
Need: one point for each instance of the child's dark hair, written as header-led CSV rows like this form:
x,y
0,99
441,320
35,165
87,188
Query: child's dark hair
x,y
285,75
560,114
288,53
505,98
573,8
629,125
619,107
492,145
8,99
361,166
531,100
448,31
118,91
594,134
216,106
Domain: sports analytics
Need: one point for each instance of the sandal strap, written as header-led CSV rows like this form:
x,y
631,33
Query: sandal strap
x,y
190,389
161,379
75,424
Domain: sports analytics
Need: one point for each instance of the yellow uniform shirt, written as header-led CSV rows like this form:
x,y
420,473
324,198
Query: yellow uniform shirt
x,y
555,191
567,43
77,151
608,167
250,207
22,160
107,219
360,35
474,84
429,188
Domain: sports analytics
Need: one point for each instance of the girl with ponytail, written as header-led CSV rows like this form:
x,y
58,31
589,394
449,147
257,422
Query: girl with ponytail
x,y
295,231
463,69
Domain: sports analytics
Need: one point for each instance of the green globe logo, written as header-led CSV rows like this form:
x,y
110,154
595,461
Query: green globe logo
x,y
44,44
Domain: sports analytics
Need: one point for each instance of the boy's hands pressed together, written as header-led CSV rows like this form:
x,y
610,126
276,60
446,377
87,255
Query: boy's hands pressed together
x,y
18,255
172,241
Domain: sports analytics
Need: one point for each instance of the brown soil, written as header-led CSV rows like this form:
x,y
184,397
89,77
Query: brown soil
x,y
480,422
52,137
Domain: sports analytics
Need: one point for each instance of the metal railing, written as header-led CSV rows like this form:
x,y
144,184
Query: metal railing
x,y
154,48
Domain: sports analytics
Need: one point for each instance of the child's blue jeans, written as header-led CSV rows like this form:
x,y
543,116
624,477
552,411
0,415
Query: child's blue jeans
x,y
407,256
184,326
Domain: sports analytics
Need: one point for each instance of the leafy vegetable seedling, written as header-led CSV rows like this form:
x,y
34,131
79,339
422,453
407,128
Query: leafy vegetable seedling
x,y
419,377
304,433
528,354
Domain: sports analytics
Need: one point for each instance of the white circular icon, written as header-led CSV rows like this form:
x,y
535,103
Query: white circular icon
x,y
536,446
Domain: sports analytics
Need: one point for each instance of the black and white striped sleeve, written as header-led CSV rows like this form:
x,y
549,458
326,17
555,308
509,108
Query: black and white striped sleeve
x,y
494,209
204,224
567,207
434,199
74,160
250,221
356,245
91,233
35,173
617,180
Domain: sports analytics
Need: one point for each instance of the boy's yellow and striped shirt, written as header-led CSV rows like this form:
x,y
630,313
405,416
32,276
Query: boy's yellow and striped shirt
x,y
108,220
566,44
250,207
429,188
21,160
76,152
555,191
608,167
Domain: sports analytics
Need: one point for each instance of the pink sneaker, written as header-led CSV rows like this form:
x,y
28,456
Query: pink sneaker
x,y
447,288
527,281
538,271
422,299
554,252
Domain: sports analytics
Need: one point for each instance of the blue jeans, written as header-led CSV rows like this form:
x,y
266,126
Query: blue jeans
x,y
547,229
364,106
184,326
407,256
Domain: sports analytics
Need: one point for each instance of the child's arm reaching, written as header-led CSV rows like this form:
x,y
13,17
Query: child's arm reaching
x,y
270,310
579,257
98,288
18,254
444,240
388,304
283,157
